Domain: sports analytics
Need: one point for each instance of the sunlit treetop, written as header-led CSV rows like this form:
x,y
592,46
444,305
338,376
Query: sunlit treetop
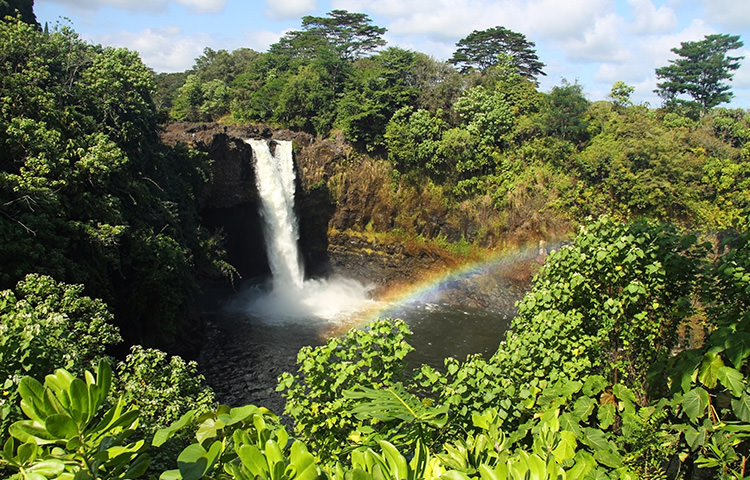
x,y
350,34
483,49
700,71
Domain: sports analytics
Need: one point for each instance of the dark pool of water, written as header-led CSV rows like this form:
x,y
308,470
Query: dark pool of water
x,y
444,330
245,354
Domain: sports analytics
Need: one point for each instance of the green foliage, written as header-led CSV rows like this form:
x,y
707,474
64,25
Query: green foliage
x,y
417,422
413,140
485,113
482,49
46,325
564,117
22,8
308,99
69,434
620,94
163,390
315,400
635,166
242,443
89,195
377,88
628,286
201,101
700,71
564,396
351,34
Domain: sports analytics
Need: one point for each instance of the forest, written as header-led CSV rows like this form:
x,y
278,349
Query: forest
x,y
630,353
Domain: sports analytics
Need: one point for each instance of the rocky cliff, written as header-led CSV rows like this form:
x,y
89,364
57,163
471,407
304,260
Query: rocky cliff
x,y
229,204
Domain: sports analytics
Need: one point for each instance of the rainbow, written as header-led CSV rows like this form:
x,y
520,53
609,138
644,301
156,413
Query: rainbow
x,y
516,265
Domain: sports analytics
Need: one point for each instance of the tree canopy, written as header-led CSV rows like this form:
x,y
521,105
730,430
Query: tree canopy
x,y
482,49
351,35
700,71
88,194
24,8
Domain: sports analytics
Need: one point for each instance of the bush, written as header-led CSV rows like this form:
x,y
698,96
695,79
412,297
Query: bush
x,y
163,389
45,325
315,395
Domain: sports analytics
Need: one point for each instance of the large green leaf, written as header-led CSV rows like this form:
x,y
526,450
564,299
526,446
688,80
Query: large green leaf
x,y
606,415
584,463
164,434
395,403
741,407
254,460
397,465
33,399
48,468
303,462
732,380
79,402
596,439
709,371
738,348
193,462
608,458
566,448
61,426
694,403
33,432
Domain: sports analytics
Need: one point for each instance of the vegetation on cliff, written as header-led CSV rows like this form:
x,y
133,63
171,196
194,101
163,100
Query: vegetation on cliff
x,y
484,141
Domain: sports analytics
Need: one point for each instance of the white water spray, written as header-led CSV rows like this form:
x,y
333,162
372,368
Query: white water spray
x,y
291,296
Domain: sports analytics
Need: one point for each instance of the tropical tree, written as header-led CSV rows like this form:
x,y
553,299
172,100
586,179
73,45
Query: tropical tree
x,y
377,88
88,194
483,49
700,71
298,44
351,35
25,8
620,94
564,117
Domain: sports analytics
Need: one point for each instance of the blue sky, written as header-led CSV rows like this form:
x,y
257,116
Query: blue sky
x,y
595,42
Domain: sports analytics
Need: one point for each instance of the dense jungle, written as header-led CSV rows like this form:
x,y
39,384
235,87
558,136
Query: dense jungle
x,y
629,355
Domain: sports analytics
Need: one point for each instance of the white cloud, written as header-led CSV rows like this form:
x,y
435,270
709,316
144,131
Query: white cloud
x,y
440,19
166,49
561,20
656,50
650,20
198,6
390,8
434,26
628,72
732,14
170,49
259,40
601,43
284,9
204,6
648,53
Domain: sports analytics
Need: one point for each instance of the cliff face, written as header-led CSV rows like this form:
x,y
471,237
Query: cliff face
x,y
230,204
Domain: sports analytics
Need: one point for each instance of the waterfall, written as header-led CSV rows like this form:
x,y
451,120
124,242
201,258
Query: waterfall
x,y
274,173
291,297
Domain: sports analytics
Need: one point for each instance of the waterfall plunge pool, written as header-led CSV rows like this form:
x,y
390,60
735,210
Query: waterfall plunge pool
x,y
254,335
